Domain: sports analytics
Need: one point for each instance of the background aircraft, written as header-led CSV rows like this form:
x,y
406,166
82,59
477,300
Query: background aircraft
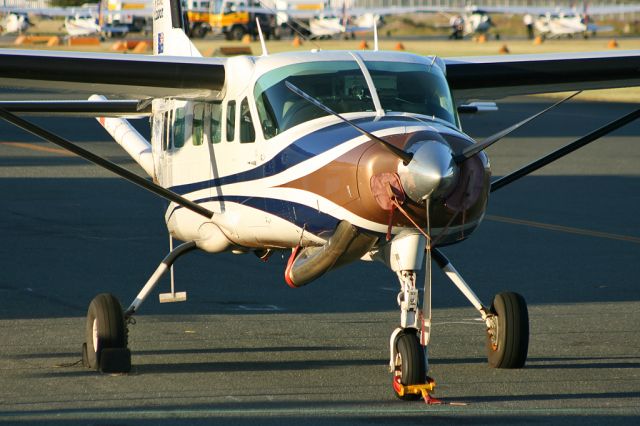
x,y
559,22
330,157
14,22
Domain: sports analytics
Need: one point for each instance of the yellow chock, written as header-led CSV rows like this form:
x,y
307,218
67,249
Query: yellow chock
x,y
246,39
363,45
297,42
421,390
504,50
399,46
538,40
613,44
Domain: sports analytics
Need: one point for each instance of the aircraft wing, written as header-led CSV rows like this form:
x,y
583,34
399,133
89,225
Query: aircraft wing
x,y
494,77
117,75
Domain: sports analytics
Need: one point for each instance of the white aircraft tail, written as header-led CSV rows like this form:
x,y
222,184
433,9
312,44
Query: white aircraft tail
x,y
169,37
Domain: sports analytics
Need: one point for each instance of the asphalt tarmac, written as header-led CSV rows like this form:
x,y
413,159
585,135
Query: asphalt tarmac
x,y
245,348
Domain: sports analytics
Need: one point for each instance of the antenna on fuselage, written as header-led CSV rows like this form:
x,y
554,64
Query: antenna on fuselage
x,y
262,43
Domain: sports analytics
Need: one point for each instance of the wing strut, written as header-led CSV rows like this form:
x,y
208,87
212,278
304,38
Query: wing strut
x,y
112,167
567,149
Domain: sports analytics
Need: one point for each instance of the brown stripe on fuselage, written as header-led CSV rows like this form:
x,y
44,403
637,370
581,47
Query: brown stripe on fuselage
x,y
346,181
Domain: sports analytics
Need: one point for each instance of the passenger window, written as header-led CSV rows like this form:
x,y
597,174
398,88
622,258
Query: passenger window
x,y
215,134
198,124
231,121
247,132
178,128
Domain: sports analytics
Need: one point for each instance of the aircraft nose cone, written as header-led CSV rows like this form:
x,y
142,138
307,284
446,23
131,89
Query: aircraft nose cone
x,y
431,173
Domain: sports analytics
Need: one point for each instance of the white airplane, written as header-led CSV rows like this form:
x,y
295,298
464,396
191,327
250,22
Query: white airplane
x,y
14,23
79,21
82,25
555,23
329,156
567,24
330,25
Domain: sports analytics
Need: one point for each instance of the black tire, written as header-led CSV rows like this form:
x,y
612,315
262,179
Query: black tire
x,y
410,362
237,33
508,342
105,328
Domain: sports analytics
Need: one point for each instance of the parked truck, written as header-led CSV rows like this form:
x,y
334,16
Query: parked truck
x,y
236,18
134,14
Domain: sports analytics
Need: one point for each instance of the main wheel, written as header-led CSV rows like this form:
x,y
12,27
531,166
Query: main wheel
x,y
409,363
105,330
508,336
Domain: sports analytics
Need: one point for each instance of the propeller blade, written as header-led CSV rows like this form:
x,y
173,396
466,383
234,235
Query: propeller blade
x,y
481,146
122,172
404,156
567,149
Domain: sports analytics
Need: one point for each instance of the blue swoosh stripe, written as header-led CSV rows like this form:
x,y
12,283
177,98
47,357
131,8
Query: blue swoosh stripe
x,y
301,150
302,216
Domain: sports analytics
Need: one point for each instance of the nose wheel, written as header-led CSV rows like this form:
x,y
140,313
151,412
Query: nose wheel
x,y
409,365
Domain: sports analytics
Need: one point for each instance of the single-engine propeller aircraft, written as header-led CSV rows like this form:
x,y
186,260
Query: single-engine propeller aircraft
x,y
333,156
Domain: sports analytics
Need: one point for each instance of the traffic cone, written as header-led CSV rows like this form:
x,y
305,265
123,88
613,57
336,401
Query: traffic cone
x,y
504,50
482,38
538,40
297,42
246,39
399,46
363,45
613,44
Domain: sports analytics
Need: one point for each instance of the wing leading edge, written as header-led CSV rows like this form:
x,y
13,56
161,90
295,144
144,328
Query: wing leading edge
x,y
493,77
128,76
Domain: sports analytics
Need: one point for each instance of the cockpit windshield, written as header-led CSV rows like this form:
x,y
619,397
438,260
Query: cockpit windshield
x,y
414,88
340,85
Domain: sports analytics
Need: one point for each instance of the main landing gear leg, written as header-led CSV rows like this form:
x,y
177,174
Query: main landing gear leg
x,y
507,320
106,339
408,362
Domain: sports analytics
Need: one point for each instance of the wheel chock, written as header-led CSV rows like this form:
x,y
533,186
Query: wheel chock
x,y
115,360
422,390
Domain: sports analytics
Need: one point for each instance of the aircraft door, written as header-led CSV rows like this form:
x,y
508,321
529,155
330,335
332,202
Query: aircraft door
x,y
160,141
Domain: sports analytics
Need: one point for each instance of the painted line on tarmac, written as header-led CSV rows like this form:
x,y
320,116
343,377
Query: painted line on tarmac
x,y
359,411
565,229
33,147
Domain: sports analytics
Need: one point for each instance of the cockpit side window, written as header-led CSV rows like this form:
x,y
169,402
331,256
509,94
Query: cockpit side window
x,y
247,132
340,85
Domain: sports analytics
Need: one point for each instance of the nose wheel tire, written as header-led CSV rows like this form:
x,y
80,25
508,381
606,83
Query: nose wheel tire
x,y
409,363
105,346
508,333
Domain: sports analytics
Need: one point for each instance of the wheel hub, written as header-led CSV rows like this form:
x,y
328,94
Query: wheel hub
x,y
95,335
